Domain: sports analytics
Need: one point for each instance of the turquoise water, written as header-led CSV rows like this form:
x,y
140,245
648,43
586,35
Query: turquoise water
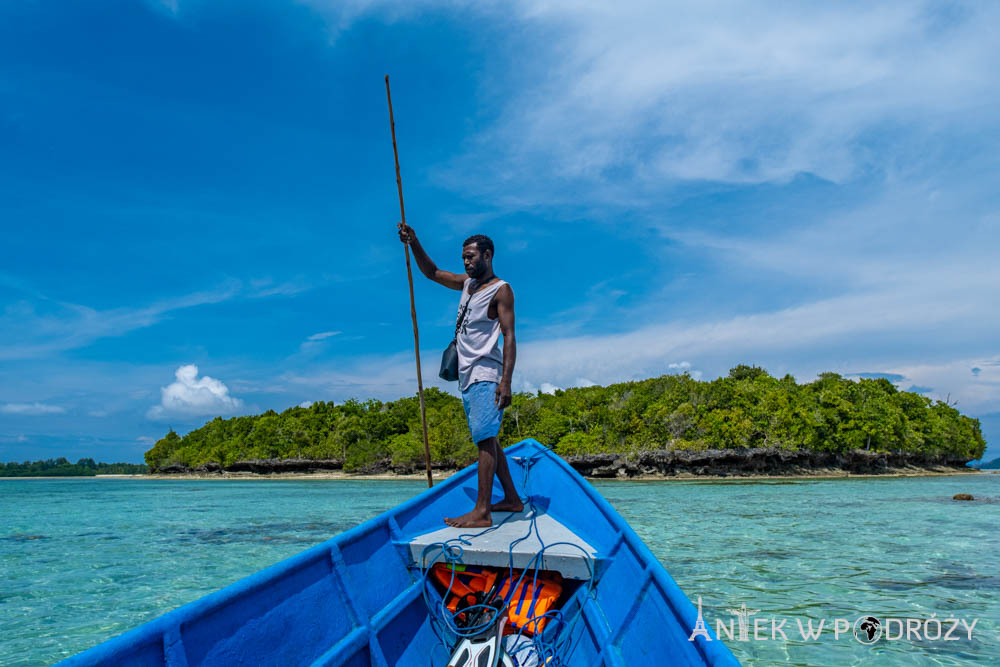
x,y
82,560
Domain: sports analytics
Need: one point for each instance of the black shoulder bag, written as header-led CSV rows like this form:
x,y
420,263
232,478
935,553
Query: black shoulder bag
x,y
449,359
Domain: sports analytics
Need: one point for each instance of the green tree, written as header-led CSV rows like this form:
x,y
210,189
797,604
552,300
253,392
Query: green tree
x,y
746,408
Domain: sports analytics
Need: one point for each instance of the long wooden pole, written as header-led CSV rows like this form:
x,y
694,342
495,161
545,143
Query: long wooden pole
x,y
413,304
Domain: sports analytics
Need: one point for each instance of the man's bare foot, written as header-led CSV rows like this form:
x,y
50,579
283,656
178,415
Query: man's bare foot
x,y
474,519
505,505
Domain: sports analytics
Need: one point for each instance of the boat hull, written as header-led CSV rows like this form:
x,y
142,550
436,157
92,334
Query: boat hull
x,y
357,598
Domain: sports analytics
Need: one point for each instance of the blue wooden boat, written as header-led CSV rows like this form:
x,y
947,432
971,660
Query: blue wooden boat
x,y
360,598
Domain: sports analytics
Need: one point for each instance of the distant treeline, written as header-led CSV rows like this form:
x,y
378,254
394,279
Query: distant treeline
x,y
748,408
61,467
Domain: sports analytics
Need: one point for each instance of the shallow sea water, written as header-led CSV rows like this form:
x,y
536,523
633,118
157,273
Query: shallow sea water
x,y
82,560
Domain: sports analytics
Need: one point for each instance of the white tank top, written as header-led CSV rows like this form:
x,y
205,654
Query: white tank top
x,y
478,341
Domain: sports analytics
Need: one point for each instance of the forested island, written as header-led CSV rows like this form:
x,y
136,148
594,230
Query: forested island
x,y
745,423
61,467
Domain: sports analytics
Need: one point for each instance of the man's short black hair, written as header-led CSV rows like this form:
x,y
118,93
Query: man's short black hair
x,y
483,243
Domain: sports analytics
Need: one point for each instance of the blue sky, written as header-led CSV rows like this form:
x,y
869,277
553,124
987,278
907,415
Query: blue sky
x,y
198,200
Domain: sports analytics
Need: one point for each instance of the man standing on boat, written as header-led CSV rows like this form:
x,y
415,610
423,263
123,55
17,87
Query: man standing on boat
x,y
484,371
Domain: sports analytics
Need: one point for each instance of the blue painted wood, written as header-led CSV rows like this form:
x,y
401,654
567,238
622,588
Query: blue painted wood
x,y
356,598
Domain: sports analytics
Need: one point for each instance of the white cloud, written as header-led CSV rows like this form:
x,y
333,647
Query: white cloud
x,y
316,342
598,300
384,377
861,329
27,333
584,382
549,388
145,439
794,334
341,14
738,92
305,404
31,409
191,396
266,287
322,335
519,383
44,326
951,382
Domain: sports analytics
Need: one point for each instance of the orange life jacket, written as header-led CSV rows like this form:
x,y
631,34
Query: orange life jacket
x,y
531,600
466,582
527,602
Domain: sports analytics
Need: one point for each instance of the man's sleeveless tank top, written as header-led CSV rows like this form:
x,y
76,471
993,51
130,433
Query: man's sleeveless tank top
x,y
478,341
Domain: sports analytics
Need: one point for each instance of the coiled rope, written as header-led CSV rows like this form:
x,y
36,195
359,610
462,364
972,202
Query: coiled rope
x,y
552,646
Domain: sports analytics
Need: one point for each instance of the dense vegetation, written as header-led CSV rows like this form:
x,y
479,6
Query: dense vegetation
x,y
749,408
60,467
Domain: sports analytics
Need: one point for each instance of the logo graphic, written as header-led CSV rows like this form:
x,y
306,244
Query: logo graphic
x,y
699,626
462,319
743,616
867,629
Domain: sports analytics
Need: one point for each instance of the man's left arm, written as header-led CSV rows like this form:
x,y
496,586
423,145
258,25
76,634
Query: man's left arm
x,y
505,313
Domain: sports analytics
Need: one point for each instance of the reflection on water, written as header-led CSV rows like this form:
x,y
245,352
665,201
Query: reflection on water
x,y
84,560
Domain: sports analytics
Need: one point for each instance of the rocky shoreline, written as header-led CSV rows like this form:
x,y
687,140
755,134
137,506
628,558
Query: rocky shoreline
x,y
760,462
655,464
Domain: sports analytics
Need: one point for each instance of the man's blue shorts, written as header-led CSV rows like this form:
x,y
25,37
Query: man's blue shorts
x,y
481,410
